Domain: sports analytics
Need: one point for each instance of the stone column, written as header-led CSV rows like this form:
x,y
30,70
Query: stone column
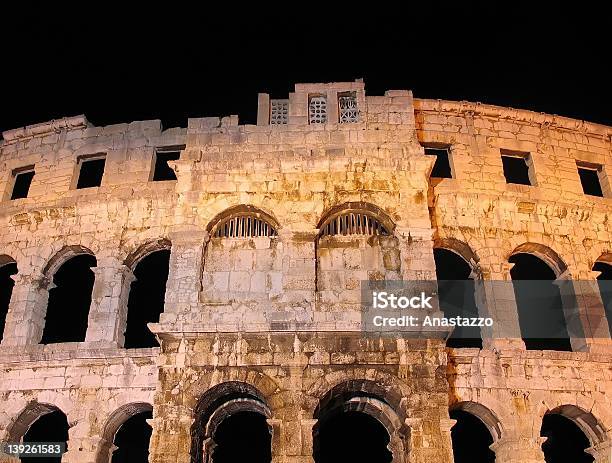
x,y
584,311
25,319
171,439
108,310
185,268
82,445
430,441
292,440
494,294
602,452
519,450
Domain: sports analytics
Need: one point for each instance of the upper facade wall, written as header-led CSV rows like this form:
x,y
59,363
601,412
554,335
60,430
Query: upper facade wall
x,y
477,206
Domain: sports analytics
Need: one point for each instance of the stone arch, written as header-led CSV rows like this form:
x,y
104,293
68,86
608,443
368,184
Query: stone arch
x,y
484,414
390,389
460,248
62,256
113,423
142,251
24,420
242,210
6,259
592,428
215,405
546,254
357,207
372,399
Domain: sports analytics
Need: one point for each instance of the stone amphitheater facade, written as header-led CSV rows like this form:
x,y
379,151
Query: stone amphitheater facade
x,y
272,321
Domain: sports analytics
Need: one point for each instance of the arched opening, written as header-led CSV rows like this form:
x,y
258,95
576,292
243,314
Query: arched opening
x,y
242,259
243,436
146,299
604,281
351,436
471,439
8,267
132,439
355,244
51,426
565,440
456,296
355,423
538,299
69,299
231,425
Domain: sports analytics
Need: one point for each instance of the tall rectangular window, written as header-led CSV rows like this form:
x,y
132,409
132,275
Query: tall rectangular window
x,y
590,178
91,170
22,179
518,167
347,107
161,170
279,112
442,166
317,109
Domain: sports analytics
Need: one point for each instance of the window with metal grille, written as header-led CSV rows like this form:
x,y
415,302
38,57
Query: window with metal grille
x,y
354,223
347,105
317,109
244,226
279,112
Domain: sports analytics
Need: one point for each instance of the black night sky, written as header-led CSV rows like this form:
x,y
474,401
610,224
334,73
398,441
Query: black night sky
x,y
119,65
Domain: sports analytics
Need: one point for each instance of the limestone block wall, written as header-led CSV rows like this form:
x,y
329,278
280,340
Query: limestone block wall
x,y
277,314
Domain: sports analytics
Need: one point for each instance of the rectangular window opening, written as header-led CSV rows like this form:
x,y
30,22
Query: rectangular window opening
x,y
317,109
22,181
91,170
590,179
442,167
347,107
161,170
517,168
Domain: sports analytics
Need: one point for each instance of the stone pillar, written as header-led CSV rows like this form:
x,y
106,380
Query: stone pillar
x,y
184,271
602,452
82,445
584,311
292,440
171,437
430,440
494,294
108,310
25,319
519,450
263,109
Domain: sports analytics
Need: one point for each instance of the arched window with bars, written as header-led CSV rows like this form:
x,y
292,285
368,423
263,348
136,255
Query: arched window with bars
x,y
354,223
355,244
246,225
242,261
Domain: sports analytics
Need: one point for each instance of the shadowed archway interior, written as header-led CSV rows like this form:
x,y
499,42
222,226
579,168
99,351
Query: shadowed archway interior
x,y
50,427
471,439
565,440
146,299
6,290
242,436
132,440
541,308
70,298
456,295
351,436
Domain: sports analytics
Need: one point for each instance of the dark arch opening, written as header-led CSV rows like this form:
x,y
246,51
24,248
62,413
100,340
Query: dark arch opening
x,y
604,280
471,439
243,436
6,290
456,296
565,440
51,427
146,299
539,304
70,300
350,436
132,439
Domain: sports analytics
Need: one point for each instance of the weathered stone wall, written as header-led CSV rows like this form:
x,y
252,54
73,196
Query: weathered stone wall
x,y
279,313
